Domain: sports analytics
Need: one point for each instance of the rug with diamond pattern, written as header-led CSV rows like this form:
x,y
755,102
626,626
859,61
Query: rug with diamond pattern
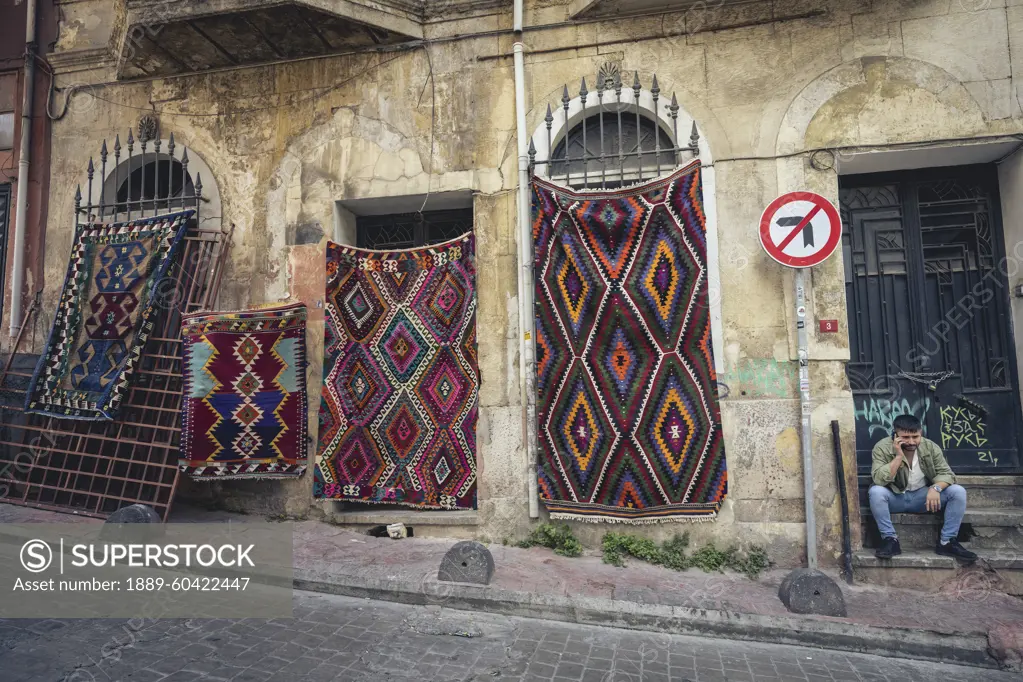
x,y
244,409
105,316
629,424
400,387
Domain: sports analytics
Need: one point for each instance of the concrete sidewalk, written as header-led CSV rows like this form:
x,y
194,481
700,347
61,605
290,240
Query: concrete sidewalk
x,y
965,622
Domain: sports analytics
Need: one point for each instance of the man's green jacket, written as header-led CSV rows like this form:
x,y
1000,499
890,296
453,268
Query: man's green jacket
x,y
932,464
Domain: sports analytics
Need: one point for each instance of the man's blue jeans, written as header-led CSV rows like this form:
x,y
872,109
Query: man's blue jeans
x,y
884,503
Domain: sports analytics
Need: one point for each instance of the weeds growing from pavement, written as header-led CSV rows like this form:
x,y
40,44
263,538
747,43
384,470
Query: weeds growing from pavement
x,y
559,538
672,554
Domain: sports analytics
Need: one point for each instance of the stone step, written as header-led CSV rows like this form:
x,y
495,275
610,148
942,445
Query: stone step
x,y
996,529
982,491
992,491
925,570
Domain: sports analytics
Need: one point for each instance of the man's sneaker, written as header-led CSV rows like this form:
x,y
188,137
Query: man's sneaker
x,y
889,548
954,549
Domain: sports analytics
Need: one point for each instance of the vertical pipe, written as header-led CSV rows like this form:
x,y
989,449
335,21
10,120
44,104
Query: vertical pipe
x,y
24,159
527,375
805,408
843,499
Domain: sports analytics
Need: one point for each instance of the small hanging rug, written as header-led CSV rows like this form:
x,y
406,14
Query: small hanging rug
x,y
400,377
244,404
105,315
629,426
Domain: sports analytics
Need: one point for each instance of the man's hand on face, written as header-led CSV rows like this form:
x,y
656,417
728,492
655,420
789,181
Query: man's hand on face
x,y
898,445
933,500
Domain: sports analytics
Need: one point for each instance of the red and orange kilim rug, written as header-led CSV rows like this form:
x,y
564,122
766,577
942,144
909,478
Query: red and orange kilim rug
x,y
244,407
400,379
629,424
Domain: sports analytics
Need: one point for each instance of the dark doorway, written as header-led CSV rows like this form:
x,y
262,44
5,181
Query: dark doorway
x,y
929,324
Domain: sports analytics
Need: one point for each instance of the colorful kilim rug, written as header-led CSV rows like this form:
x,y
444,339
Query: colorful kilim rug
x,y
105,316
628,418
398,412
244,411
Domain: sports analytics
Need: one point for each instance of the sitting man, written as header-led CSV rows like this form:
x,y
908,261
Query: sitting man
x,y
911,475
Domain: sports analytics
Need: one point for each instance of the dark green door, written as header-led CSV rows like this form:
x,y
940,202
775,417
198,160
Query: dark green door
x,y
929,323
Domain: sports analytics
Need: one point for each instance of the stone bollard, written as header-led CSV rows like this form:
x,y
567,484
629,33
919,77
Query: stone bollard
x,y
467,562
805,590
121,522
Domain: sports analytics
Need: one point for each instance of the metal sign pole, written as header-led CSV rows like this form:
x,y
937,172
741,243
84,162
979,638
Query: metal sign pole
x,y
807,436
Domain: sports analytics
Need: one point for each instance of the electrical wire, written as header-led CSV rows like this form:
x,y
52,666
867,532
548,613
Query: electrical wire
x,y
327,89
433,124
864,148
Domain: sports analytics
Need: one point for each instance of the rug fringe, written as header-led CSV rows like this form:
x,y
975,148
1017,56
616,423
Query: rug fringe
x,y
251,477
562,516
411,506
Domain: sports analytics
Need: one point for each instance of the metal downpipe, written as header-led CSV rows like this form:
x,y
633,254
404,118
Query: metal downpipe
x,y
24,158
527,373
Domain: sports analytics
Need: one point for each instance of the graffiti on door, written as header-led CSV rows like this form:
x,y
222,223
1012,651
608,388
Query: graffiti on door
x,y
961,427
879,413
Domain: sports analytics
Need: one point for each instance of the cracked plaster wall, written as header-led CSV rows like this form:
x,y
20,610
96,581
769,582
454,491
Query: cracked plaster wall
x,y
865,73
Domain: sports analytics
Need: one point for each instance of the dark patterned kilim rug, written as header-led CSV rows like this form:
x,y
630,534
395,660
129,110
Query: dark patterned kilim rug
x,y
104,316
244,411
629,425
398,412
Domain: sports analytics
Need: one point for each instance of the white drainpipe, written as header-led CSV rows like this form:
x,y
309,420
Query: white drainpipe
x,y
527,373
24,155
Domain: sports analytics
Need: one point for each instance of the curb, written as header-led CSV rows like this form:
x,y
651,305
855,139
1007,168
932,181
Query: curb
x,y
960,648
967,648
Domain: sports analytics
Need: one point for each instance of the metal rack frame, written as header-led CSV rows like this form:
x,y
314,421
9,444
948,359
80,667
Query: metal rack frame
x,y
93,468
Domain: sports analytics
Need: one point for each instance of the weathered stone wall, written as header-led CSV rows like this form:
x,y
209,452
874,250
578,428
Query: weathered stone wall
x,y
285,142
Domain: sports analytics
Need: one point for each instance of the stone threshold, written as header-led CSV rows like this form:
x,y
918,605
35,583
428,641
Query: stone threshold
x,y
410,517
916,558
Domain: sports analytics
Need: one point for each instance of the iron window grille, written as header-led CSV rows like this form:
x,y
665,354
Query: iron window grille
x,y
617,138
410,230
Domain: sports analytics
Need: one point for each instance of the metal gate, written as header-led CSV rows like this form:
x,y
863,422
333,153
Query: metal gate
x,y
928,303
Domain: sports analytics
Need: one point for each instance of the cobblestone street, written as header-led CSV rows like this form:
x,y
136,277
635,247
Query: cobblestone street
x,y
340,638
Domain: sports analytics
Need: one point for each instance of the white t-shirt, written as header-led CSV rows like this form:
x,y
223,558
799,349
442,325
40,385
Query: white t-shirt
x,y
917,479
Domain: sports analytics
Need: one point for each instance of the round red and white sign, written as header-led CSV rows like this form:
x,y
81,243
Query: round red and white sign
x,y
800,229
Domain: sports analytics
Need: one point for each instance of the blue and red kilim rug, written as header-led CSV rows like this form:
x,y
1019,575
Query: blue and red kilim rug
x,y
398,412
629,424
244,404
104,316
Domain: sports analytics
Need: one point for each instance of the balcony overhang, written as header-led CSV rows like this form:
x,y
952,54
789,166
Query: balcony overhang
x,y
589,9
172,38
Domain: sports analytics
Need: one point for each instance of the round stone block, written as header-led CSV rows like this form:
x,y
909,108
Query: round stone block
x,y
808,591
135,513
467,562
132,523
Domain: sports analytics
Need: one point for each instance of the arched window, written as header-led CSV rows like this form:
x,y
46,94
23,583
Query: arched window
x,y
611,137
160,184
146,176
609,150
